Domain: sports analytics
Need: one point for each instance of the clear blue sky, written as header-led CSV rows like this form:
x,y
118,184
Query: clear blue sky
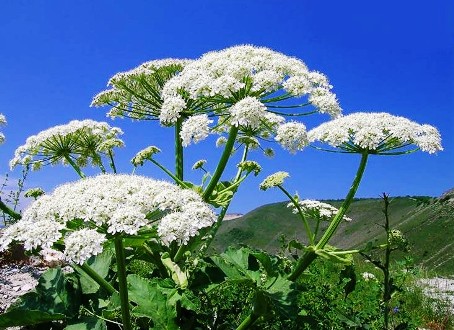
x,y
393,56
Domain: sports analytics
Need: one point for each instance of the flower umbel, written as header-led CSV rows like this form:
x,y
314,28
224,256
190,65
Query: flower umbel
x,y
110,203
274,180
377,133
76,141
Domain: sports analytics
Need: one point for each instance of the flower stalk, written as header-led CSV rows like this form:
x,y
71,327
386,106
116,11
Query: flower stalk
x,y
122,283
95,277
310,256
222,163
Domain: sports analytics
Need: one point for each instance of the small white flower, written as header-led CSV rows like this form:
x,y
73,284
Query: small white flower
x,y
144,154
171,109
82,244
248,112
274,180
318,210
292,136
195,129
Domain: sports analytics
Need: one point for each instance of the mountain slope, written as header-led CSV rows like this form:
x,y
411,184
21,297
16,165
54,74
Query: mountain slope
x,y
427,223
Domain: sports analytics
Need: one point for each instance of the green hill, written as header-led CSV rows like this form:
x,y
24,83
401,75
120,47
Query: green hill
x,y
428,224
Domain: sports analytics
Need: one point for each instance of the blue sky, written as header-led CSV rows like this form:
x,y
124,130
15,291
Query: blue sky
x,y
393,56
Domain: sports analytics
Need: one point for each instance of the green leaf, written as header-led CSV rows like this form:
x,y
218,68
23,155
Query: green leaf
x,y
101,265
16,317
282,295
88,323
152,302
237,264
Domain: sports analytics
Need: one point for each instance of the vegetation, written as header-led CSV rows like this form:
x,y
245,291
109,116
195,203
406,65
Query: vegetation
x,y
425,225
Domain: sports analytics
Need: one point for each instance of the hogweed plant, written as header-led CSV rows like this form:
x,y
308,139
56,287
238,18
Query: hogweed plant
x,y
108,224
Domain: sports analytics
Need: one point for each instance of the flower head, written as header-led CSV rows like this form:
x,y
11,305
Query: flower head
x,y
250,166
195,129
144,154
82,244
199,164
112,203
317,210
274,180
245,70
34,192
78,140
376,133
292,136
137,93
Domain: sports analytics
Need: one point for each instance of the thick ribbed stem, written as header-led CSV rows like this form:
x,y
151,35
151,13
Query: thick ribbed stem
x,y
122,284
222,163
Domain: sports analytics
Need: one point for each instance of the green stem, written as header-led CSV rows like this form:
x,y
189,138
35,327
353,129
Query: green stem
x,y
222,163
248,321
214,229
177,180
112,162
9,211
95,277
75,166
178,150
310,256
346,204
122,283
303,218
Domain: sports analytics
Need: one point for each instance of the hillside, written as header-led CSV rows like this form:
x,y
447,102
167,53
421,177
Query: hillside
x,y
428,224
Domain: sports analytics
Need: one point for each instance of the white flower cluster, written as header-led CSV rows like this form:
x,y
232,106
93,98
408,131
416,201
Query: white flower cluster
x,y
274,180
292,136
261,70
80,245
377,133
2,122
144,154
137,93
195,129
318,210
113,203
80,140
248,112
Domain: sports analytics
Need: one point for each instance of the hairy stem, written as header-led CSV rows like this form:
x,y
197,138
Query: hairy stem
x,y
122,284
222,163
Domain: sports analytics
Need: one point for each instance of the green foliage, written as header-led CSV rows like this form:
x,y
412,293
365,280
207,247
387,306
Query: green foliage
x,y
56,297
